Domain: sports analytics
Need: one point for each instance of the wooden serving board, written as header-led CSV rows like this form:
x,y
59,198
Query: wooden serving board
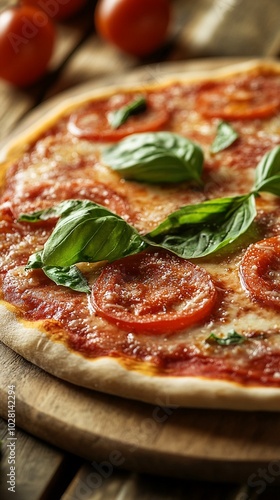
x,y
189,443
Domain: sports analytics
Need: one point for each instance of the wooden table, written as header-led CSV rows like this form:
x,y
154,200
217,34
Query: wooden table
x,y
200,29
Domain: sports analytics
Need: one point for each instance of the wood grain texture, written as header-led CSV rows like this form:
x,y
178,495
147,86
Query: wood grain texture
x,y
121,485
229,28
39,465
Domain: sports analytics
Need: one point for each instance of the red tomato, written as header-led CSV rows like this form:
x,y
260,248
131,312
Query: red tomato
x,y
154,291
27,38
138,27
259,271
255,97
92,122
57,9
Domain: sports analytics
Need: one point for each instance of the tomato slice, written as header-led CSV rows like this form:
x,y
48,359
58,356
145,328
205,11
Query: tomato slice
x,y
154,291
48,193
259,271
247,99
92,121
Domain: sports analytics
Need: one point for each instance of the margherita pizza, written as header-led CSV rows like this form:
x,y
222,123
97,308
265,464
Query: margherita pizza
x,y
140,240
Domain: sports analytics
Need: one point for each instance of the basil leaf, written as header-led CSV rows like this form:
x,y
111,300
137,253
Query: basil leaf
x,y
70,277
35,261
66,276
268,173
225,136
198,230
156,157
62,208
230,338
118,117
89,233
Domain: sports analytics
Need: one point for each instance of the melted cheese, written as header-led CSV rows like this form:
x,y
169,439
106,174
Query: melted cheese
x,y
59,161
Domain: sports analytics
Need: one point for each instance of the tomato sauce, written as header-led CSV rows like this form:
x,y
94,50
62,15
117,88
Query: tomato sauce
x,y
63,164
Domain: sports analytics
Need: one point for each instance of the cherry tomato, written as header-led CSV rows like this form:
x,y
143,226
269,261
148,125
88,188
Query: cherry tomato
x,y
27,38
92,122
138,27
57,9
154,291
255,97
259,271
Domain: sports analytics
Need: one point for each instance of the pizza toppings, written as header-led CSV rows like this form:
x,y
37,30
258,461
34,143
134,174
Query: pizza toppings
x,y
259,271
198,230
119,116
226,135
231,338
244,99
154,292
159,157
267,176
94,121
70,276
145,303
87,232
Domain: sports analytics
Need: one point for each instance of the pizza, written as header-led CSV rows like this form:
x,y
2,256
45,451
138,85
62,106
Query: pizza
x,y
140,240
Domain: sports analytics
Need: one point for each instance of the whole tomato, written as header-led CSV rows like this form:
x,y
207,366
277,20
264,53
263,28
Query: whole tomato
x,y
137,27
27,37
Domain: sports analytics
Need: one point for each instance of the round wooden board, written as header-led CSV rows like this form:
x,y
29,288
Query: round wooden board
x,y
201,444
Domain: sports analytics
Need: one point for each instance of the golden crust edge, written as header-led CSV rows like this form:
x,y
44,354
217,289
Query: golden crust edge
x,y
108,375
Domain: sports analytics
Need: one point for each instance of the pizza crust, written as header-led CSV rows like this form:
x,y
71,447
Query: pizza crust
x,y
111,375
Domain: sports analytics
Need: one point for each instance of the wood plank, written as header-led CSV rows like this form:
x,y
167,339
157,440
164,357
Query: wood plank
x,y
14,104
229,28
36,466
93,60
90,484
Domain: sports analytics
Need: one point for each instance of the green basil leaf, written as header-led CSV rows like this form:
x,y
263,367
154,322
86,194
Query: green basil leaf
x,y
225,136
67,276
57,211
231,338
118,117
268,173
70,277
89,233
156,157
35,261
198,230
